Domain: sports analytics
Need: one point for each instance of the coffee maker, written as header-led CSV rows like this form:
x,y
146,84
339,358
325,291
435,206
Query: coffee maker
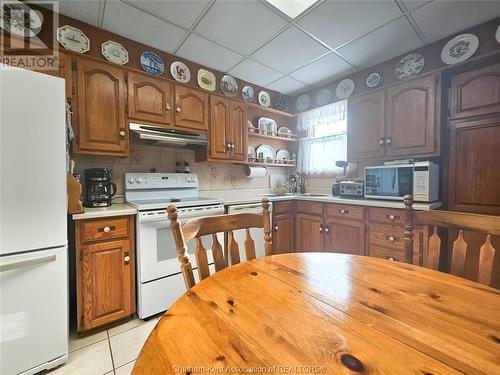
x,y
98,187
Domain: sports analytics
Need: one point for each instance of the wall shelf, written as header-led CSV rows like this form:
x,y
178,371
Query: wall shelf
x,y
267,136
289,164
270,110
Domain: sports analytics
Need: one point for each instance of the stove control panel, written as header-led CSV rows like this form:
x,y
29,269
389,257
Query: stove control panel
x,y
134,181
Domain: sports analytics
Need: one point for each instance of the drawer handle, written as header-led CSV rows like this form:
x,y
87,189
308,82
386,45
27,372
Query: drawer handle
x,y
391,238
343,211
106,229
392,217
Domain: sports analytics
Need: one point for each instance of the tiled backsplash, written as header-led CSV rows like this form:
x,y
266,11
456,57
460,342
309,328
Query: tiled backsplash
x,y
212,176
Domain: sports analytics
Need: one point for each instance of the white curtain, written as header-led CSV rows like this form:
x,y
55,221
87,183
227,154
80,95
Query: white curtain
x,y
325,139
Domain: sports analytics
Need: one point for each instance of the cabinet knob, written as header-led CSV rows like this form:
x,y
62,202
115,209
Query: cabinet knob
x,y
388,141
343,211
327,229
232,146
107,229
391,217
381,141
391,259
391,238
178,109
127,259
122,133
168,107
275,228
321,228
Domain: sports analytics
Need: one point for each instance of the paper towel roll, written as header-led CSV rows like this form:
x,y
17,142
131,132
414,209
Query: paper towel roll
x,y
255,172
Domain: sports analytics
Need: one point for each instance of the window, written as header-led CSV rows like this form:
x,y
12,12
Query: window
x,y
325,139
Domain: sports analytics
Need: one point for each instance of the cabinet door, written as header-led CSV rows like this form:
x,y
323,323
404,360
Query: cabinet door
x,y
219,127
476,93
365,127
191,109
411,123
150,99
345,236
309,232
238,125
101,127
283,228
106,283
474,173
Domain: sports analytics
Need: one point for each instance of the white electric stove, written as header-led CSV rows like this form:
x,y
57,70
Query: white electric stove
x,y
159,279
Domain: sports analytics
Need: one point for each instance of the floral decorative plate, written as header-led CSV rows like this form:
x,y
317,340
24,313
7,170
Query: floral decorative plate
x,y
264,99
180,72
114,52
19,19
459,49
247,93
152,63
323,96
373,80
73,39
410,66
229,86
279,102
303,102
345,88
206,80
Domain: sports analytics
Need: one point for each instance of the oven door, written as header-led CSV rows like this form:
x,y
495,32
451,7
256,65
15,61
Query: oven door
x,y
389,181
156,252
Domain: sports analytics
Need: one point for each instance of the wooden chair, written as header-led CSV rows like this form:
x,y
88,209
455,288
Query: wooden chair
x,y
460,221
197,228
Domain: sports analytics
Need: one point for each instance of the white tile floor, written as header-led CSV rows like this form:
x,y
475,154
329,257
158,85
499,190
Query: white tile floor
x,y
111,351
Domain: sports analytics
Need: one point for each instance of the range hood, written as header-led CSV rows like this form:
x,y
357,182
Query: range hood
x,y
159,136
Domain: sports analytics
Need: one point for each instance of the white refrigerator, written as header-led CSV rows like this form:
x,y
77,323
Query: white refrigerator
x,y
33,233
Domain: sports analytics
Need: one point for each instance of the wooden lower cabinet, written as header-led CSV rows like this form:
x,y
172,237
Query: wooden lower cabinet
x,y
344,236
309,232
105,271
283,229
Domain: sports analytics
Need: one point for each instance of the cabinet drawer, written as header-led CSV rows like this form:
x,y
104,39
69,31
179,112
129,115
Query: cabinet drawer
x,y
386,215
283,207
103,229
392,237
345,211
393,254
313,208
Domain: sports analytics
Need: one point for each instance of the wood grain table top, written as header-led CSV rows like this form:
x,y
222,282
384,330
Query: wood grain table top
x,y
328,313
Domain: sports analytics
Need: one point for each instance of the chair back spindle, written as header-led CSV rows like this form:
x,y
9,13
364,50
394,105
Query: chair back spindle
x,y
433,250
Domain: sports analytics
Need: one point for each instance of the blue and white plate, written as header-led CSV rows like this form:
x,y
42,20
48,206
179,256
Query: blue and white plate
x,y
152,63
373,80
247,93
459,49
303,102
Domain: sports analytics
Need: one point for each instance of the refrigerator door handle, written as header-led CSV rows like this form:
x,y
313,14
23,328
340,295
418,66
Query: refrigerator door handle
x,y
9,266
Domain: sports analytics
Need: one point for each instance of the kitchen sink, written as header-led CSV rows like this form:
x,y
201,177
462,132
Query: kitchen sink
x,y
313,195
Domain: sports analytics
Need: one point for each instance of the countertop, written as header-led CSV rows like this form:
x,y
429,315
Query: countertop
x,y
117,209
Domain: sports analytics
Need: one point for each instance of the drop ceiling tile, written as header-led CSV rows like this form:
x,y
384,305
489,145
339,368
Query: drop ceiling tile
x,y
289,51
338,22
205,52
286,85
387,42
440,19
82,10
180,12
328,67
132,23
233,25
414,4
254,72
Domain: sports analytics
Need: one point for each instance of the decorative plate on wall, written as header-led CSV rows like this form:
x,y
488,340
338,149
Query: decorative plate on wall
x,y
264,99
345,88
459,49
152,63
303,102
280,102
410,66
206,80
247,93
180,72
114,52
323,96
497,34
229,86
19,19
73,39
373,80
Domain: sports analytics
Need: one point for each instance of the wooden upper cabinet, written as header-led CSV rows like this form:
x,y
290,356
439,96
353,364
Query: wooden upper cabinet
x,y
219,127
411,117
476,93
150,100
101,126
191,109
238,124
365,126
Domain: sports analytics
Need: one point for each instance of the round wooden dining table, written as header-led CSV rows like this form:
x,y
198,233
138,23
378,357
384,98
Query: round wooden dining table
x,y
307,313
